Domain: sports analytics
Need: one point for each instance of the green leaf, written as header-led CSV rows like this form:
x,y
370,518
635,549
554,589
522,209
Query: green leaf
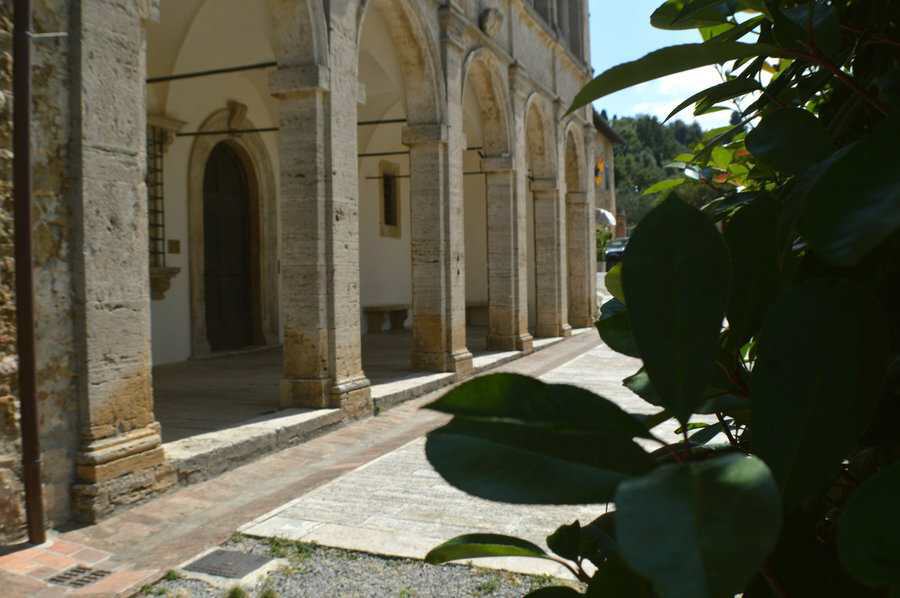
x,y
614,327
514,398
699,529
474,546
500,471
662,186
822,357
722,157
677,275
869,530
613,280
566,541
752,243
554,592
717,93
668,61
736,32
615,579
639,384
855,204
690,14
789,140
792,27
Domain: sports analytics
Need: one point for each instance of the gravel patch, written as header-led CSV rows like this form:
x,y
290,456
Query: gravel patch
x,y
321,572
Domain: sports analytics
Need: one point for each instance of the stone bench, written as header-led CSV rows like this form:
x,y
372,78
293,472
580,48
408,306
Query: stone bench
x,y
381,318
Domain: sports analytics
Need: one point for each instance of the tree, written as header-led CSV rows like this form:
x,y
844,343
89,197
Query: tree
x,y
804,381
645,159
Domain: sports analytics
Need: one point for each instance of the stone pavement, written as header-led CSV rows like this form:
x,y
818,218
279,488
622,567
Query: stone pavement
x,y
398,505
141,544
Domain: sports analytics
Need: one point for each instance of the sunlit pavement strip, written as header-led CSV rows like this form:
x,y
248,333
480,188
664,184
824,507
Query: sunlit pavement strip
x,y
397,505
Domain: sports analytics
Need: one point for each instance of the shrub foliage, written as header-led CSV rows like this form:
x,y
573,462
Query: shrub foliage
x,y
775,307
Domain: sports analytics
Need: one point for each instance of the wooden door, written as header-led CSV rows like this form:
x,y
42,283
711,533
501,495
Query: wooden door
x,y
226,245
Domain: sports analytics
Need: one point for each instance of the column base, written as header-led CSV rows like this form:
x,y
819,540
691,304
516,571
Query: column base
x,y
459,362
353,396
119,471
311,393
519,342
556,331
582,322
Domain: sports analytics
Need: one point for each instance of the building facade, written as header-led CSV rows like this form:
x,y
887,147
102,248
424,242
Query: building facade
x,y
212,175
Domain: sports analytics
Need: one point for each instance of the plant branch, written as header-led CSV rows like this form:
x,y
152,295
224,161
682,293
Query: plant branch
x,y
726,428
773,583
817,58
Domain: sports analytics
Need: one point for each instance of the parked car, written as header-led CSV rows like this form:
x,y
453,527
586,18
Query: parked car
x,y
615,249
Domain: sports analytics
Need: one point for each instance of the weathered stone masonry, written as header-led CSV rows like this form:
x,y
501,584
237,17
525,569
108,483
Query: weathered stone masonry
x,y
524,61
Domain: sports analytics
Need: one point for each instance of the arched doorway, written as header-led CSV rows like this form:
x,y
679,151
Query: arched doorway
x,y
227,251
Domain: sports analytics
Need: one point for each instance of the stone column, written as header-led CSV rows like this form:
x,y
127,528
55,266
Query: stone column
x,y
590,134
438,261
507,255
550,266
580,248
319,251
119,458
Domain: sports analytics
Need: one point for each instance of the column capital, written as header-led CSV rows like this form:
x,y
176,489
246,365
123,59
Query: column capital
x,y
295,80
426,134
497,164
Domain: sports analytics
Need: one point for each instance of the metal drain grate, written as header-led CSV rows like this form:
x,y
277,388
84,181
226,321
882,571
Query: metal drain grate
x,y
228,563
78,577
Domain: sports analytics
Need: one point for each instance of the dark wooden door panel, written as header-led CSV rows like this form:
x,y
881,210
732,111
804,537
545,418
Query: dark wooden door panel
x,y
226,240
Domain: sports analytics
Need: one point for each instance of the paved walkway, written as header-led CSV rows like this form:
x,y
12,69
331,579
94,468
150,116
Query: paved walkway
x,y
141,544
398,505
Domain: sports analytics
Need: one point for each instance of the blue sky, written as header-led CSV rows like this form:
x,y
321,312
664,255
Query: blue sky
x,y
620,32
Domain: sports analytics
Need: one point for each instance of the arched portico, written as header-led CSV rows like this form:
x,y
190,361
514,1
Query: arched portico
x,y
547,262
504,224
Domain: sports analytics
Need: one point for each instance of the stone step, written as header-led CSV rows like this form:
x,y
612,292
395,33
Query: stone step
x,y
206,456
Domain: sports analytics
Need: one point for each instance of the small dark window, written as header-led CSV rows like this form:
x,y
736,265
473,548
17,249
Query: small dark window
x,y
389,193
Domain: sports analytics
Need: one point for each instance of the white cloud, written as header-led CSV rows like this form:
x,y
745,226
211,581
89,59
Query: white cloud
x,y
664,95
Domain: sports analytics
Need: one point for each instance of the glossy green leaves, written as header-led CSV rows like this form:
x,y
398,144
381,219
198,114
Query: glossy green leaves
x,y
789,140
472,546
854,205
869,530
614,327
699,529
822,356
677,277
752,243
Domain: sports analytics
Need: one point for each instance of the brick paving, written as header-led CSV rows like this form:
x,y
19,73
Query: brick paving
x,y
141,544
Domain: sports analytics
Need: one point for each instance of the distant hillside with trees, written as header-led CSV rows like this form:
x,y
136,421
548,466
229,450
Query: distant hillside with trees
x,y
641,161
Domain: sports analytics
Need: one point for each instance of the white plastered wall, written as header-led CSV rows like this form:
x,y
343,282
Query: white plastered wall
x,y
475,206
385,262
208,33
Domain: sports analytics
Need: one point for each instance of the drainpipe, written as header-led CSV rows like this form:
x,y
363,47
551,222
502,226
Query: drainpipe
x,y
31,449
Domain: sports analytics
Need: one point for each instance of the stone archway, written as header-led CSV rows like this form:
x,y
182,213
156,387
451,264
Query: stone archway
x,y
251,151
547,264
506,234
437,301
579,229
